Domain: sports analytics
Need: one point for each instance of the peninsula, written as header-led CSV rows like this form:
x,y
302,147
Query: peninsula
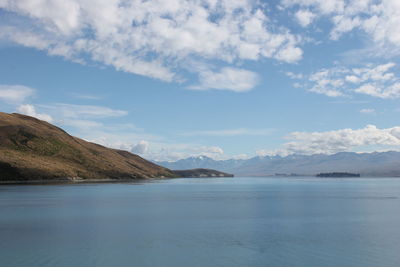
x,y
338,174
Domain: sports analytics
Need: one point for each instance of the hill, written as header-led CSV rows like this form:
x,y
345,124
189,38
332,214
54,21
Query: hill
x,y
31,149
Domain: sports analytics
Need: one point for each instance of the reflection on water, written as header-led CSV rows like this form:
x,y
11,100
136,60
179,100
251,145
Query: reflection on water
x,y
203,222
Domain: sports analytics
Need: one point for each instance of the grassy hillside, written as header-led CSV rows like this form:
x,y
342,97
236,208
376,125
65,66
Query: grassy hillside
x,y
31,149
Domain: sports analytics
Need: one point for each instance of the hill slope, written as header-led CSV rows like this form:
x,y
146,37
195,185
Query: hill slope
x,y
31,149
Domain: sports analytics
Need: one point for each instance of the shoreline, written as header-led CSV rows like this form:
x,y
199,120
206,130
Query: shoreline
x,y
78,181
69,181
73,181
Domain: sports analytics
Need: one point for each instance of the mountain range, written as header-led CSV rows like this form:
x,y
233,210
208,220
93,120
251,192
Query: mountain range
x,y
31,149
366,164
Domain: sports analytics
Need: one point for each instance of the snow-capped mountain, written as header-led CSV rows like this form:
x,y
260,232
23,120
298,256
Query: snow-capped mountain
x,y
367,164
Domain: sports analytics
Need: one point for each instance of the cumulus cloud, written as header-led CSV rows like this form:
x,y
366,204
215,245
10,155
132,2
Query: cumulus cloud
x,y
337,141
140,148
373,80
237,80
31,111
294,76
323,7
151,38
326,83
379,90
15,94
304,17
379,19
290,54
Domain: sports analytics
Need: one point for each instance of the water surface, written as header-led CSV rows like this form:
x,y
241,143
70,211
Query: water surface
x,y
203,222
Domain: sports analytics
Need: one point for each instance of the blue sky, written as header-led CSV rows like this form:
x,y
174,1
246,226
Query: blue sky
x,y
226,79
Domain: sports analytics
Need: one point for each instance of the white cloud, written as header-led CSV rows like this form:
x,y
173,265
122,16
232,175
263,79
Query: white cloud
x,y
241,156
84,121
140,148
230,132
136,140
294,76
325,83
83,111
152,38
304,17
337,141
375,73
373,80
31,111
290,54
237,80
391,91
15,94
352,79
86,96
323,7
367,111
343,24
208,149
379,19
173,152
158,150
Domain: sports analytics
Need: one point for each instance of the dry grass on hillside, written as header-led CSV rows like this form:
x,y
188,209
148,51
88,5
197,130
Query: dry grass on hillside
x,y
31,149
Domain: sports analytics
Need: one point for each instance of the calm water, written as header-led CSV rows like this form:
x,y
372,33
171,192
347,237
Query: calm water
x,y
203,222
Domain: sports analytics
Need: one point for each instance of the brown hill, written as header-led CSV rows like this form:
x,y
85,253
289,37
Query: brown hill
x,y
31,149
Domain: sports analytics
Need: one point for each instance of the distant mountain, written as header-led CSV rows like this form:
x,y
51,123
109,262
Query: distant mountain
x,y
367,164
201,162
31,149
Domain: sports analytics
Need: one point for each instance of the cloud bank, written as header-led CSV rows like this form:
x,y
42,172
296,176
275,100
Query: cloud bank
x,y
153,38
375,80
331,142
377,18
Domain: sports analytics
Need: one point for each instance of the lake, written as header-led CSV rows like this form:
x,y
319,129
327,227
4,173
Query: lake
x,y
203,222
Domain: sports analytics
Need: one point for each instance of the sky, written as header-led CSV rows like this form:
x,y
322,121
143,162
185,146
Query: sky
x,y
221,78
